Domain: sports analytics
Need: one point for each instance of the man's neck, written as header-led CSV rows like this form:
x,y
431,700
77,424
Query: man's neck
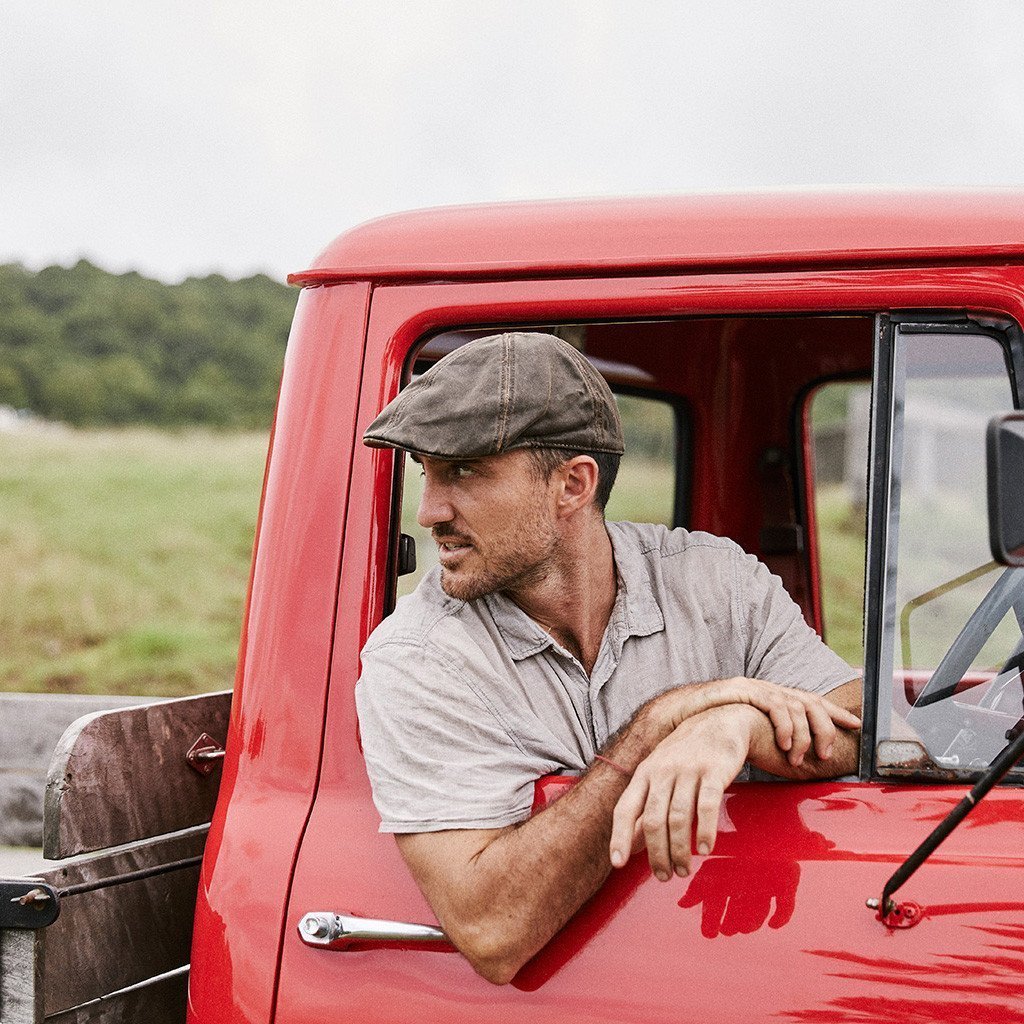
x,y
574,600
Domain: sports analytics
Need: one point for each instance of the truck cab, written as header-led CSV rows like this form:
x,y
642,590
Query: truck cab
x,y
811,375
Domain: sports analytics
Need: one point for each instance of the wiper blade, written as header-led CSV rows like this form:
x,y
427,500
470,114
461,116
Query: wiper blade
x,y
1006,759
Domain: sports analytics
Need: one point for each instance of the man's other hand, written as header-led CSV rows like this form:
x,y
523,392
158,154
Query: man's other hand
x,y
682,781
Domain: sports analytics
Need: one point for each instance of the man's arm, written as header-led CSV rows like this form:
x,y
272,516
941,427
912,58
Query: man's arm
x,y
679,787
501,894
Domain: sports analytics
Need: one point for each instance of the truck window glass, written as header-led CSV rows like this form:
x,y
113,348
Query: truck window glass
x,y
947,387
837,426
645,489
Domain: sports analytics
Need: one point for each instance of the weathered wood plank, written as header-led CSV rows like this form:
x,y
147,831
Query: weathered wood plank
x,y
21,989
162,1000
111,938
30,726
120,776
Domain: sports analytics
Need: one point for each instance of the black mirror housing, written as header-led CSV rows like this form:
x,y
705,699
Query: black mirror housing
x,y
1005,445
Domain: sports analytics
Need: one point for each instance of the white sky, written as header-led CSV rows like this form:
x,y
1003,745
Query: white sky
x,y
238,135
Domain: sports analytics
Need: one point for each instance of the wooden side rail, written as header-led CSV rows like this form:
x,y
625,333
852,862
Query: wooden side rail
x,y
116,953
114,935
120,776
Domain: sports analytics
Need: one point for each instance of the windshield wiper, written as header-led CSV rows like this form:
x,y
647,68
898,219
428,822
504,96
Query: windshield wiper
x,y
1006,759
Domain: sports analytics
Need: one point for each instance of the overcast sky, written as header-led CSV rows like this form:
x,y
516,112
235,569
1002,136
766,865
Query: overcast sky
x,y
237,135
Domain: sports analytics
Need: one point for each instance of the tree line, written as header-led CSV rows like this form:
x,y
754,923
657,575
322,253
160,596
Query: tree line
x,y
92,348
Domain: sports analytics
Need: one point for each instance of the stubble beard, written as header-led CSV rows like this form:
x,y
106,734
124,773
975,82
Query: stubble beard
x,y
510,571
493,579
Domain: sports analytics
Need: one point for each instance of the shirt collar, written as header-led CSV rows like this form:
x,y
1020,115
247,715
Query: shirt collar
x,y
635,602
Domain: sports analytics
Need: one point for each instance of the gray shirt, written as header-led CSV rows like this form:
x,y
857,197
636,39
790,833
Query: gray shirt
x,y
463,705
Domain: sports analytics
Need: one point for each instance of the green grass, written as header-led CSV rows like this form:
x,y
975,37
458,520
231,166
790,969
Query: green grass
x,y
124,557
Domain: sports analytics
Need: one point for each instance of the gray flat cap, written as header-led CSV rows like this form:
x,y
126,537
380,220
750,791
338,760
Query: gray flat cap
x,y
500,393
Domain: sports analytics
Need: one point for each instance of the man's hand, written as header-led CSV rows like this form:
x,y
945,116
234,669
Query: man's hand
x,y
799,718
683,779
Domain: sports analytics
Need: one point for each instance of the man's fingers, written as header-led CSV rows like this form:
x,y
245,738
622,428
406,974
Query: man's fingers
x,y
801,733
822,727
782,723
709,801
627,813
680,826
843,718
656,809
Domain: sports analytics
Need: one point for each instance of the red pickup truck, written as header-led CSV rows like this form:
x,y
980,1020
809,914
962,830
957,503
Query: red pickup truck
x,y
812,375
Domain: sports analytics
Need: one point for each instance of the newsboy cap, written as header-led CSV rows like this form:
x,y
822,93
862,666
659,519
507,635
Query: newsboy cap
x,y
497,394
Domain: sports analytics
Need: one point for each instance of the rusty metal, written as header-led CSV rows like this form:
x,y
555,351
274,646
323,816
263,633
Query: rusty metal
x,y
36,895
130,876
205,754
909,759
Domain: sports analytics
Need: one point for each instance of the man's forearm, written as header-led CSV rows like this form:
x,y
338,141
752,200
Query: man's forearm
x,y
765,755
676,792
530,879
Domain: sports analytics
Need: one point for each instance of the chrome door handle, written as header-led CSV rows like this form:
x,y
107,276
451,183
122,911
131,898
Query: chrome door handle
x,y
337,931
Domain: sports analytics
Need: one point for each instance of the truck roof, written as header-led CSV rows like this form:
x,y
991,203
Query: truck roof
x,y
752,229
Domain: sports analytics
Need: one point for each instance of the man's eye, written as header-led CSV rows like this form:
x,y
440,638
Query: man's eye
x,y
462,471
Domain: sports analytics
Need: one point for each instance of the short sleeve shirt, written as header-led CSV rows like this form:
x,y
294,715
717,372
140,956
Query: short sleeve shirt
x,y
463,705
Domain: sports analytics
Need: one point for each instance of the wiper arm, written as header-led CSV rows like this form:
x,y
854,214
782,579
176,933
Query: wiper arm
x,y
1006,759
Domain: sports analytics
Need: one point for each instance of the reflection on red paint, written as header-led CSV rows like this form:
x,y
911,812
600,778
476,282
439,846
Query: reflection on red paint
x,y
991,986
739,896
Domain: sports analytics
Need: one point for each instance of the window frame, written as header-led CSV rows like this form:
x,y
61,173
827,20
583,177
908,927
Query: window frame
x,y
806,479
881,541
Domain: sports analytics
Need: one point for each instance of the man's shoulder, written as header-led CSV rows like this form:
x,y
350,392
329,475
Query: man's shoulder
x,y
654,540
678,564
417,616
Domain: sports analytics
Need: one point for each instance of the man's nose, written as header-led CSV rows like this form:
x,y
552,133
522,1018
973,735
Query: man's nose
x,y
434,506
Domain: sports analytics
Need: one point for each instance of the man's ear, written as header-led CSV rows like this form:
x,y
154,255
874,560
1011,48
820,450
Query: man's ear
x,y
579,484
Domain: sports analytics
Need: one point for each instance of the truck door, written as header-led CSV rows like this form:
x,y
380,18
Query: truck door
x,y
774,924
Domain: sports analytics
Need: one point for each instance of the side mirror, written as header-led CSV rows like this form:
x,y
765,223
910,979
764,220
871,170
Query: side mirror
x,y
1006,488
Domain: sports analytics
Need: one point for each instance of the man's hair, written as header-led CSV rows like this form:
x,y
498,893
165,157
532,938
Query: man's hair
x,y
547,460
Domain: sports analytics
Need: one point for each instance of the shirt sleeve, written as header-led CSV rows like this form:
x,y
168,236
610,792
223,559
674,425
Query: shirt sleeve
x,y
438,757
780,646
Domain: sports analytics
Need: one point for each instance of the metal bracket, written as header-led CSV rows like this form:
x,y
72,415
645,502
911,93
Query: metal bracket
x,y
406,554
27,903
897,915
205,754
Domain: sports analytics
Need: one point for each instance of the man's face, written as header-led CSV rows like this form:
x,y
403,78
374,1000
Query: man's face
x,y
493,521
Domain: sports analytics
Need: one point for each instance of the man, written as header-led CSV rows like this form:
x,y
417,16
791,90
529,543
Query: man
x,y
550,641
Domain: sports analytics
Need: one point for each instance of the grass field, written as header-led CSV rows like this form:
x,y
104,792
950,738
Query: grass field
x,y
124,556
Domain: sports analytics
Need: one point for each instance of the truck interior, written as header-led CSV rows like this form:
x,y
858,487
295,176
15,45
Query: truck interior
x,y
733,426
